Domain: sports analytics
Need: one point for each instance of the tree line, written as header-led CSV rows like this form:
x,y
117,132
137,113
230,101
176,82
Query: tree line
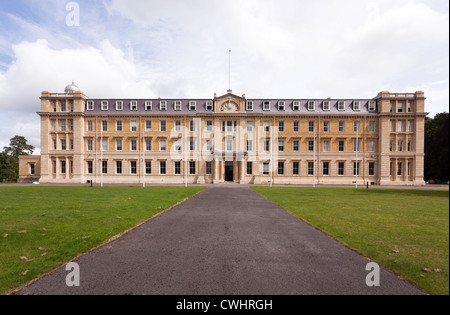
x,y
9,158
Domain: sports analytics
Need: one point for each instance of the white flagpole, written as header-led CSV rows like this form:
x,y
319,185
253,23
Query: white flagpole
x,y
314,163
357,150
144,170
101,154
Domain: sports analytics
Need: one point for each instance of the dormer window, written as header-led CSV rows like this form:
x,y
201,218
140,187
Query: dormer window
x,y
326,105
209,105
133,105
372,105
90,105
249,106
163,105
148,105
104,105
119,105
192,105
311,105
356,106
341,105
266,105
281,105
177,105
296,105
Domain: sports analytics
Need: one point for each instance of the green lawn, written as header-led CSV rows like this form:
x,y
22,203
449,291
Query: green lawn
x,y
41,228
376,222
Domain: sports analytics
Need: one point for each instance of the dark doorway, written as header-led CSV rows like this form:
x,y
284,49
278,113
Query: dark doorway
x,y
228,171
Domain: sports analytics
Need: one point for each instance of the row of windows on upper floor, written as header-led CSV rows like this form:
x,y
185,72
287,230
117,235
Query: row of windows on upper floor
x,y
250,105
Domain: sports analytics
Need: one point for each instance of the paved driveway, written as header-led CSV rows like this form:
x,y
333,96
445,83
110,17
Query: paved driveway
x,y
227,240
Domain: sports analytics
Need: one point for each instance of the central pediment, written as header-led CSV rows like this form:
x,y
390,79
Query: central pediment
x,y
229,103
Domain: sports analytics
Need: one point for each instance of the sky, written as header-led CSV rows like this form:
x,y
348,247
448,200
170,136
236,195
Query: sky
x,y
180,49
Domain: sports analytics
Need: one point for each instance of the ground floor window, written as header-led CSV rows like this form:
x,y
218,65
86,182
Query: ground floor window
x,y
162,167
119,167
192,168
356,168
249,168
280,168
295,168
90,168
310,168
341,168
208,168
104,167
266,168
177,168
326,168
133,167
148,167
371,169
63,167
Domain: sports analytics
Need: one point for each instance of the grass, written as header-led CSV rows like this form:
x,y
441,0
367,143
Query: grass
x,y
41,228
379,222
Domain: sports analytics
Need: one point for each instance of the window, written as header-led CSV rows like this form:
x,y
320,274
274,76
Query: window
x,y
191,125
371,169
90,105
178,145
356,126
177,125
249,106
341,146
372,105
90,168
296,126
133,145
296,146
372,125
192,105
191,168
119,145
54,107
118,167
311,146
148,167
63,106
209,145
356,106
295,168
326,126
281,105
400,126
63,167
392,107
266,126
311,126
104,167
266,145
177,105
133,106
410,124
399,169
104,105
148,125
249,126
209,126
400,107
281,146
326,168
208,168
356,145
90,125
409,146
266,105
400,146
409,169
249,145
119,125
280,168
90,145
356,167
133,126
63,125
326,105
249,168
341,105
281,126
391,145
71,124
54,167
162,145
177,168
371,146
148,145
209,105
266,168
163,126
119,105
162,167
326,146
148,105
341,168
229,145
311,105
192,145
296,106
163,105
310,168
133,167
409,107
104,145
391,125
104,125
341,126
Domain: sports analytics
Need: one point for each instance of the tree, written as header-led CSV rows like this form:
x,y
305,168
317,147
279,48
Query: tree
x,y
437,148
9,158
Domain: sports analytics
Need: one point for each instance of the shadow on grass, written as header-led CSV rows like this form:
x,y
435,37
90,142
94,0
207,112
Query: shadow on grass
x,y
411,192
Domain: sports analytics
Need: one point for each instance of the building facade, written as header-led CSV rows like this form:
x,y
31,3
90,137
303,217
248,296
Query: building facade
x,y
230,139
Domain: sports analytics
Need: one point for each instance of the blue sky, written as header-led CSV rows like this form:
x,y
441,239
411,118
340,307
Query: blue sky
x,y
179,49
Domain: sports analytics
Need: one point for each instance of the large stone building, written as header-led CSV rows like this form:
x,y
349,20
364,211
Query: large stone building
x,y
229,138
